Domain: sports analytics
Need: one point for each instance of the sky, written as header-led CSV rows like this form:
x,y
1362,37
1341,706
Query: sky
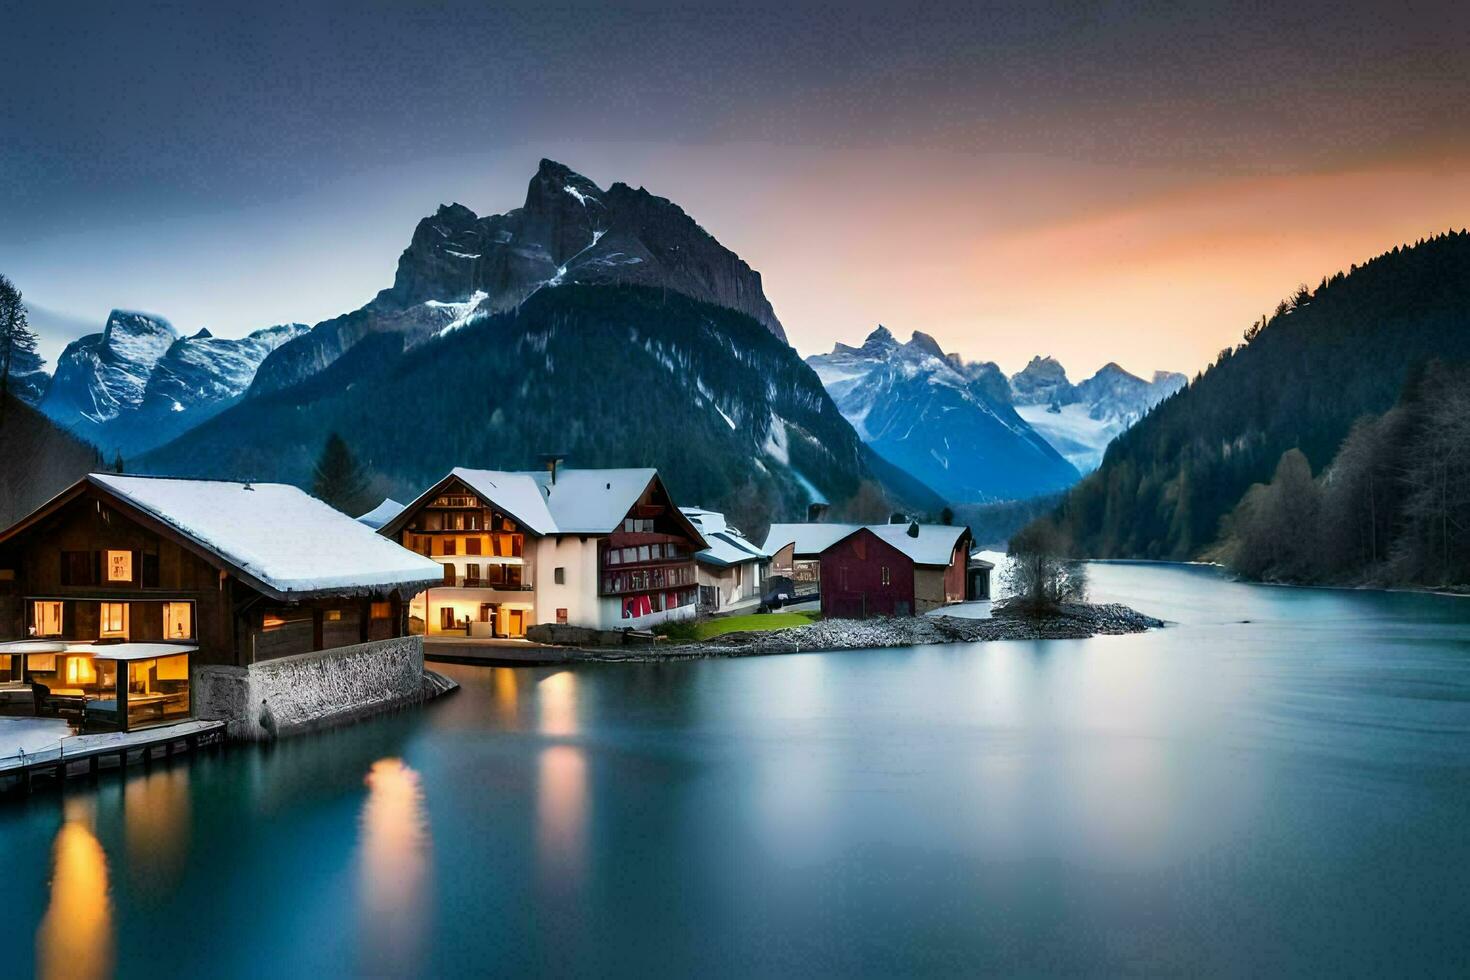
x,y
1112,182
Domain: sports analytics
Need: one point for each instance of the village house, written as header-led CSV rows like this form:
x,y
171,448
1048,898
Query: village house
x,y
598,548
117,593
731,569
796,549
895,570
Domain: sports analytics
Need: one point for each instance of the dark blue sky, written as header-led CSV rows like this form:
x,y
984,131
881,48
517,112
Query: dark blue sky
x,y
241,164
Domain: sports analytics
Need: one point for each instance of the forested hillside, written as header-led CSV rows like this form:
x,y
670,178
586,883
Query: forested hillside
x,y
1325,359
38,459
609,375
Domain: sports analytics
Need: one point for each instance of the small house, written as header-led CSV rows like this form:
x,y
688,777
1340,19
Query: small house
x,y
895,570
731,570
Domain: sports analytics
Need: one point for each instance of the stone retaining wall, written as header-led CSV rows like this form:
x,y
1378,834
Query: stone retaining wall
x,y
288,695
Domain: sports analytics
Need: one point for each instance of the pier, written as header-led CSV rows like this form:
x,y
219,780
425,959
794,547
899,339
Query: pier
x,y
51,753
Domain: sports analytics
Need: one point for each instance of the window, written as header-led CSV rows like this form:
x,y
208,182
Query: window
x,y
113,620
561,615
119,566
332,616
495,574
630,554
77,568
448,574
643,553
472,573
450,546
559,575
382,610
887,579
47,617
472,546
178,621
614,556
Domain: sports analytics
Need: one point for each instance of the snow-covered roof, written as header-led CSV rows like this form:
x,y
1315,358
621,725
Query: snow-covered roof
x,y
382,514
592,501
286,540
933,546
810,539
726,545
579,502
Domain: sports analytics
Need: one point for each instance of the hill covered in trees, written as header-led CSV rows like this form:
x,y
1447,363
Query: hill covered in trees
x,y
610,375
1328,357
40,459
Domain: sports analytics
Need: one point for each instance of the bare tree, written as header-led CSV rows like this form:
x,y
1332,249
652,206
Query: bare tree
x,y
1040,575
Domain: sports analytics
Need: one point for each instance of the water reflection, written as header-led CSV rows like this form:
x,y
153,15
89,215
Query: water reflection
x,y
75,940
561,813
394,870
557,704
156,824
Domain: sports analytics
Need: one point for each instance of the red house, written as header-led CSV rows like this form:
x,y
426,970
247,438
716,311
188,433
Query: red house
x,y
894,570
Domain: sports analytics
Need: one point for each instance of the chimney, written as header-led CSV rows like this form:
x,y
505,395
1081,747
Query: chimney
x,y
913,529
552,461
816,513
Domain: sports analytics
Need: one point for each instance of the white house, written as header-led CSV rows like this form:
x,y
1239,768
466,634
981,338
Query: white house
x,y
605,549
731,569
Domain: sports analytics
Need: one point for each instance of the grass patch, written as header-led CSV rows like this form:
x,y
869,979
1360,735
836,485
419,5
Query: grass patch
x,y
688,630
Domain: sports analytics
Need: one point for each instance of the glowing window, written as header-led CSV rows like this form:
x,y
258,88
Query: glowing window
x,y
48,618
178,621
333,615
119,566
382,610
114,620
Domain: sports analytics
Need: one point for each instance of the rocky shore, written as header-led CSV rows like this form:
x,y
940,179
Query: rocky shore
x,y
1073,622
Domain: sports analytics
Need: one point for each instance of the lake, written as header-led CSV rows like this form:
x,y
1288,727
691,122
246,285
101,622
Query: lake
x,y
1279,783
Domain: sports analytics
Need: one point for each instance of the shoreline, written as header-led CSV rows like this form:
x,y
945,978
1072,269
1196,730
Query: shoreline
x,y
1073,622
1463,593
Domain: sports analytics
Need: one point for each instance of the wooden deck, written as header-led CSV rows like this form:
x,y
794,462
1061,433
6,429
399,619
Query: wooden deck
x,y
88,753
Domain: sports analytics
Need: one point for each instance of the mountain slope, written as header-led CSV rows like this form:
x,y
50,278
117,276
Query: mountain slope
x,y
943,421
1326,358
138,383
460,267
1080,420
53,460
610,375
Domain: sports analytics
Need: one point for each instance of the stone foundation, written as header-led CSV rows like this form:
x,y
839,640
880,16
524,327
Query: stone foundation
x,y
289,695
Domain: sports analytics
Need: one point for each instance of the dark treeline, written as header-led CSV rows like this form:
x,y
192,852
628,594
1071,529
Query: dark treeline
x,y
1303,377
1393,507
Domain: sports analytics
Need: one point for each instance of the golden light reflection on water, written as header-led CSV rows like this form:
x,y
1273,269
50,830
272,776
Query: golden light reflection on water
x,y
394,869
75,940
156,813
557,704
561,812
506,696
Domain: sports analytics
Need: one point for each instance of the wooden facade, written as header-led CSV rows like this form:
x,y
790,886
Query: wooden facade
x,y
90,572
863,576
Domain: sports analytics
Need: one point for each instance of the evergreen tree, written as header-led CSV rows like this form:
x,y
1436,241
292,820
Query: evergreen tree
x,y
338,479
17,339
117,462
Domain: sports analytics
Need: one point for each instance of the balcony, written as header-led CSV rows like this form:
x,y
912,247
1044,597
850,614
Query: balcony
x,y
467,582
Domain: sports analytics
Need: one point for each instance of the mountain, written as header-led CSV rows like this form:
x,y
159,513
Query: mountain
x,y
460,267
610,375
1326,358
103,375
53,460
948,423
1080,420
138,383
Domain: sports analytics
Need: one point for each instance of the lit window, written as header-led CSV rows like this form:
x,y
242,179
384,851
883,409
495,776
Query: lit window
x,y
80,670
119,566
178,620
114,620
333,616
48,618
382,610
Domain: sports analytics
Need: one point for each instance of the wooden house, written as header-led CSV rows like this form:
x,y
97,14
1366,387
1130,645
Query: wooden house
x,y
116,589
599,548
895,570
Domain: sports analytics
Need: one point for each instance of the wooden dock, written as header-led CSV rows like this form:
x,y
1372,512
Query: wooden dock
x,y
86,755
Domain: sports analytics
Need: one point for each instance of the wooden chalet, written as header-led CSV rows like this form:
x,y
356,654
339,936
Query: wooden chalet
x,y
895,570
113,591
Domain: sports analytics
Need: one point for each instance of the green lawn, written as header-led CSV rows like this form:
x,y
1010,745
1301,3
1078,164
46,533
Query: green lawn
x,y
754,621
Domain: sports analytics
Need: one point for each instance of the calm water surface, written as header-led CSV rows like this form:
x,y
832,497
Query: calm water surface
x,y
1278,783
